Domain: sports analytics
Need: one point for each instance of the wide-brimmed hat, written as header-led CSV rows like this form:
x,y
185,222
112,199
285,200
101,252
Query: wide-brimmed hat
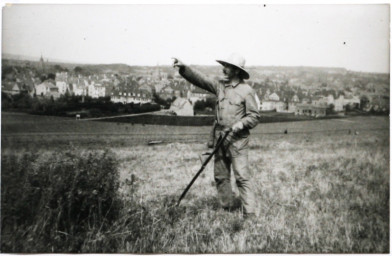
x,y
236,61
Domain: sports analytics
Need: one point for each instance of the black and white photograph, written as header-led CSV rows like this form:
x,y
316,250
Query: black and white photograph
x,y
195,128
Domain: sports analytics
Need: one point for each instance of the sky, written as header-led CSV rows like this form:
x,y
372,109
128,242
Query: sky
x,y
355,36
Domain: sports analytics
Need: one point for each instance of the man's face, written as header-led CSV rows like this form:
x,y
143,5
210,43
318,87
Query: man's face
x,y
230,72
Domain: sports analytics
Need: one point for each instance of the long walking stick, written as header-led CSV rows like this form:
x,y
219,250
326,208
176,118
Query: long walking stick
x,y
218,144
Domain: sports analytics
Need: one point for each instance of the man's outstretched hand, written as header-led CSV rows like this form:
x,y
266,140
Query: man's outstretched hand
x,y
177,63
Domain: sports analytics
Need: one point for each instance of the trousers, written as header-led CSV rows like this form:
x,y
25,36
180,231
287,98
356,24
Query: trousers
x,y
233,154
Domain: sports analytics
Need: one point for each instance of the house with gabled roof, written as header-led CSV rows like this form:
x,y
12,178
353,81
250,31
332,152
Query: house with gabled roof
x,y
76,86
339,103
310,110
295,98
62,86
62,82
130,94
96,90
274,97
47,89
10,87
182,107
272,102
292,104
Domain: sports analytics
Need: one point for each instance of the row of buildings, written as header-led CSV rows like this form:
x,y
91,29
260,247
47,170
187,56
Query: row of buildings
x,y
133,89
313,106
126,89
310,106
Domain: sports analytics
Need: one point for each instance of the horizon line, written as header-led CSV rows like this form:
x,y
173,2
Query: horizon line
x,y
23,58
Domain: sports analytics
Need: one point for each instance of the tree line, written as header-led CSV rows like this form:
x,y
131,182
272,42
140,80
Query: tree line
x,y
70,105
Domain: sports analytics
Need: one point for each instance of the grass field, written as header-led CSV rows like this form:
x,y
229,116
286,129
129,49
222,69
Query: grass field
x,y
322,187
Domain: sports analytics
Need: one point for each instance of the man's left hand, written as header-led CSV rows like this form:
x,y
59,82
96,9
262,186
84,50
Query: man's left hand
x,y
238,126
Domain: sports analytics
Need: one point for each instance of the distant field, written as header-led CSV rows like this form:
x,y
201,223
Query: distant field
x,y
50,131
322,188
270,117
23,124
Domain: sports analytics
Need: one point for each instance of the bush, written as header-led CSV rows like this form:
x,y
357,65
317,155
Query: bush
x,y
162,102
331,109
54,203
201,105
148,107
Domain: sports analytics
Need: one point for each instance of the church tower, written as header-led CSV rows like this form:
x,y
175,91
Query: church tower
x,y
42,64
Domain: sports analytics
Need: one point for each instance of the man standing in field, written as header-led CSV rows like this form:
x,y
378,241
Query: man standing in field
x,y
237,109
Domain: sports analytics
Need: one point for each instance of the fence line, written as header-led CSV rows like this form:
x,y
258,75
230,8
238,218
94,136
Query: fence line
x,y
72,118
112,117
176,134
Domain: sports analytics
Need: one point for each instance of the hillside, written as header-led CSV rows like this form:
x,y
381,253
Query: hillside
x,y
272,77
212,70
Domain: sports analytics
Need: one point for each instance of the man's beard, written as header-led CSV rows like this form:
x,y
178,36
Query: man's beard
x,y
226,78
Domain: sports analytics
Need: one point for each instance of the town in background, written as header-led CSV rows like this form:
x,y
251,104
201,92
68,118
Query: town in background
x,y
311,91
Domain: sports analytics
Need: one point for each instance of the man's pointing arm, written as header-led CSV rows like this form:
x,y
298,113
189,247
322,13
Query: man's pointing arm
x,y
195,77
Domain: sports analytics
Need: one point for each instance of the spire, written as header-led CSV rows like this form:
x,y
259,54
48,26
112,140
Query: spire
x,y
42,63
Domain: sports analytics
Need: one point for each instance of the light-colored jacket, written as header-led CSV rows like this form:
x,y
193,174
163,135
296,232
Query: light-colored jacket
x,y
234,102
